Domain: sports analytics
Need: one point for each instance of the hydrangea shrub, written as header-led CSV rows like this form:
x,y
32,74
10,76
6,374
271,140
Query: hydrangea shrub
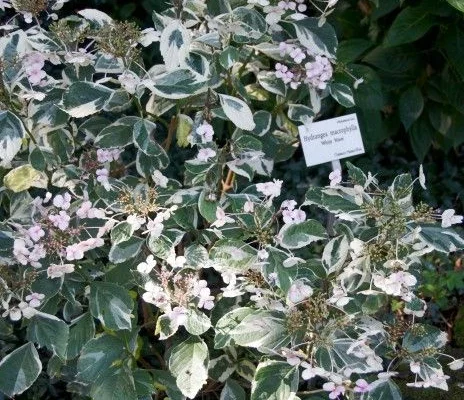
x,y
123,278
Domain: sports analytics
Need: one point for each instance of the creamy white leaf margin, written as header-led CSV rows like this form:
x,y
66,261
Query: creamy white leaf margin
x,y
175,44
238,112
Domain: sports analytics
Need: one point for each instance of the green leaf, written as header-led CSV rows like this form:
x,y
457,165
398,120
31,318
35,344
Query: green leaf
x,y
98,355
121,232
443,240
238,256
452,42
458,4
85,98
411,106
19,370
300,113
420,337
12,132
232,391
196,255
117,134
275,380
238,112
197,322
421,135
296,236
123,251
411,24
261,329
226,324
174,44
49,331
207,207
22,178
321,40
342,93
383,389
229,56
188,362
143,130
350,50
81,330
335,254
111,304
116,383
177,84
271,83
251,22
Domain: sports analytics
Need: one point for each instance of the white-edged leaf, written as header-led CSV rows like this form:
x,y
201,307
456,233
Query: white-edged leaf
x,y
238,112
85,98
97,16
19,370
111,304
188,362
335,253
12,132
174,44
320,40
342,93
296,236
275,380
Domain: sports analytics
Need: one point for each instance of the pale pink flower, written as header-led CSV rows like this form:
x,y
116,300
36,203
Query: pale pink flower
x,y
62,201
362,386
59,270
335,390
270,189
449,218
60,220
335,177
221,218
36,233
35,299
206,132
205,154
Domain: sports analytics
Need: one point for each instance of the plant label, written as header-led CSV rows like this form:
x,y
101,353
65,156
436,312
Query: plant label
x,y
331,139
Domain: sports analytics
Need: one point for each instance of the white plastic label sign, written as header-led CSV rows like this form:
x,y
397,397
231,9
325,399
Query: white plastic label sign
x,y
332,139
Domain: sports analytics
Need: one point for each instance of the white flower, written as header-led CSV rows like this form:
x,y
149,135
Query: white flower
x,y
415,367
4,4
205,154
175,261
146,266
299,291
456,364
59,270
335,177
395,283
422,177
155,228
288,205
263,254
249,206
155,295
291,356
178,316
135,222
148,36
159,179
129,81
221,218
448,218
339,297
270,189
